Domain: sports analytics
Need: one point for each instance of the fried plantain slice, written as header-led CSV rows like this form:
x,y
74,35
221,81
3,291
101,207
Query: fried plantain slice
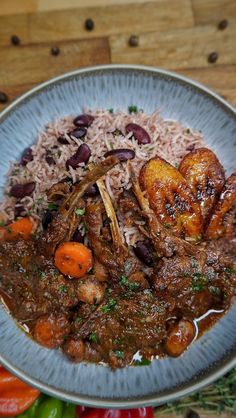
x,y
223,220
171,199
205,175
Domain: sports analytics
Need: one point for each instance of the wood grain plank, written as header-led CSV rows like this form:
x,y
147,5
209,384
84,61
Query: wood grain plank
x,y
13,7
216,77
30,6
69,24
177,49
212,11
34,63
17,25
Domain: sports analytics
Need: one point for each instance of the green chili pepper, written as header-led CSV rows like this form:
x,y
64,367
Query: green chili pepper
x,y
69,411
51,408
31,412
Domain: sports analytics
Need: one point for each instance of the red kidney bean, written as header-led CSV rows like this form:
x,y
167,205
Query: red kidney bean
x,y
78,237
21,190
62,140
78,133
84,120
123,154
139,133
92,191
27,156
142,251
82,155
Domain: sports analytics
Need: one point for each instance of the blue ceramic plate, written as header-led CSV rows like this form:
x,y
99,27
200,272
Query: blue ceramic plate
x,y
118,87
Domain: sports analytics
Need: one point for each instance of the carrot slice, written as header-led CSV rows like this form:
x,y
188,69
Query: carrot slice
x,y
73,259
18,229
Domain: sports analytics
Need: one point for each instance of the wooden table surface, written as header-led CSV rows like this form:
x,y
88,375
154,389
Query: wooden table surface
x,y
173,34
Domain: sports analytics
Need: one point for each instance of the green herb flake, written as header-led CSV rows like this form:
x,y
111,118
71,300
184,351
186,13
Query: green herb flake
x,y
93,337
143,362
65,337
194,262
167,225
131,285
229,270
119,354
80,211
2,224
188,131
63,289
132,109
52,206
42,274
198,282
111,110
79,320
109,306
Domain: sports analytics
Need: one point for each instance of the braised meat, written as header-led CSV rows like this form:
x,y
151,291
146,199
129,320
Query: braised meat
x,y
77,285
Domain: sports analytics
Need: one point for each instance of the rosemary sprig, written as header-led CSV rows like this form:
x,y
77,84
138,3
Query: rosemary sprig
x,y
218,397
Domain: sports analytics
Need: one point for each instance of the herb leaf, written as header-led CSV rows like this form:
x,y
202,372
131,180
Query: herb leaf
x,y
52,206
80,211
132,109
143,362
93,337
109,306
119,354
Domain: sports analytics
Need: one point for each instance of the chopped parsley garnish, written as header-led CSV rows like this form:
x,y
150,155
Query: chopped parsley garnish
x,y
132,109
194,262
2,223
119,354
42,274
167,225
110,110
52,206
63,289
198,282
109,306
187,131
79,319
143,362
80,211
93,337
131,285
229,270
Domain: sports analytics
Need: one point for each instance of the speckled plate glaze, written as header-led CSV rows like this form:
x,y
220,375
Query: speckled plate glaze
x,y
118,87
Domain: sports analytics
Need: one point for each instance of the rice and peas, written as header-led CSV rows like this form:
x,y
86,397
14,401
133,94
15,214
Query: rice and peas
x,y
169,140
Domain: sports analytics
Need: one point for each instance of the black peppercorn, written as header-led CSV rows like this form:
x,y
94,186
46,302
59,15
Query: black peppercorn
x,y
15,40
89,24
55,51
223,24
192,414
134,40
212,57
3,97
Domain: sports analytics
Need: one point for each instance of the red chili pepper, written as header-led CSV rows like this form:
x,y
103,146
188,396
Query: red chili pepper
x,y
15,395
83,412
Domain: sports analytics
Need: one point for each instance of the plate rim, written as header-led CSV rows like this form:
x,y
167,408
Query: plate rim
x,y
147,400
